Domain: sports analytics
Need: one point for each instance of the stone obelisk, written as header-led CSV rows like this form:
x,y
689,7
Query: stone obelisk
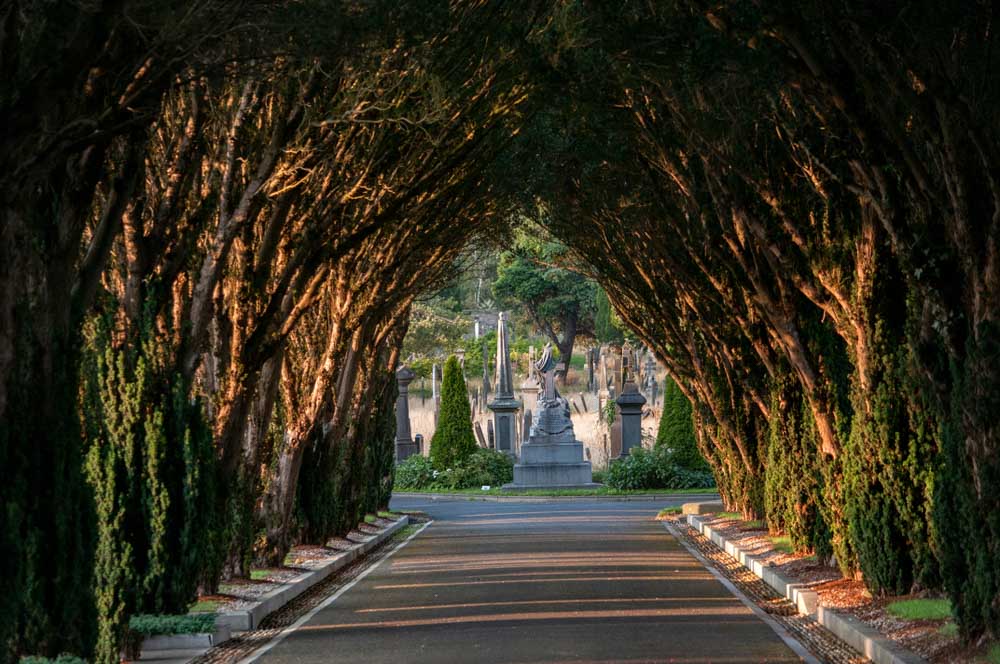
x,y
504,405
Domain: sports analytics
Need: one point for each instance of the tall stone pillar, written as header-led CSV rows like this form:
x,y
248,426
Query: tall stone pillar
x,y
504,405
404,439
630,403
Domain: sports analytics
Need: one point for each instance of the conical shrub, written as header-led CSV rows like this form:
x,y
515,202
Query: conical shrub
x,y
453,440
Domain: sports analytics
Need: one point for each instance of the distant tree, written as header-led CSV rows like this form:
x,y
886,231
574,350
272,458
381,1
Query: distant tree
x,y
676,431
453,440
559,302
607,326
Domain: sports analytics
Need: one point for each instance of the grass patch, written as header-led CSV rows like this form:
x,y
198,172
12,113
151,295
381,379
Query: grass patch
x,y
388,515
948,629
667,511
407,531
993,656
259,574
602,491
921,609
204,606
782,543
729,515
369,518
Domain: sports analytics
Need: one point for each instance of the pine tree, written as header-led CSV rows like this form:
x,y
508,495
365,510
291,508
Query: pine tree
x,y
453,440
676,430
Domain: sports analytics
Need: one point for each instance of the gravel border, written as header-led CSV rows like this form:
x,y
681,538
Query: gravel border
x,y
244,644
819,642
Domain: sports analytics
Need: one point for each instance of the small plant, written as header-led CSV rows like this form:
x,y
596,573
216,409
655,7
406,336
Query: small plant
x,y
655,469
667,512
61,659
157,625
921,609
416,472
480,468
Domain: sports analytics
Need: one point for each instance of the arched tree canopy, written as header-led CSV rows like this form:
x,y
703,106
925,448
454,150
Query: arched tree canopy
x,y
216,216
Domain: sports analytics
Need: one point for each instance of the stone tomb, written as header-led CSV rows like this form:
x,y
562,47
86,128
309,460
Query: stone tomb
x,y
552,457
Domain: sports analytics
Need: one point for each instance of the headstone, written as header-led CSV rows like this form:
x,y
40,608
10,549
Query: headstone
x,y
630,403
504,405
479,435
590,370
405,446
490,438
418,440
552,456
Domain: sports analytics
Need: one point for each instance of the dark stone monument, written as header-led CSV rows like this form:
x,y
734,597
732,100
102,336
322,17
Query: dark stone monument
x,y
504,405
630,403
405,446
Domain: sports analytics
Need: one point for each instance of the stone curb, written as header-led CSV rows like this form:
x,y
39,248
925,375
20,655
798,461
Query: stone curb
x,y
848,629
247,619
542,499
186,641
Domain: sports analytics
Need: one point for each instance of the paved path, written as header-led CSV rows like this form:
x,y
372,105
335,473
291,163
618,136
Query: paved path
x,y
535,582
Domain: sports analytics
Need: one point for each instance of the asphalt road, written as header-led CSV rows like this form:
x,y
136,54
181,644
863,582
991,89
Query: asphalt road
x,y
535,582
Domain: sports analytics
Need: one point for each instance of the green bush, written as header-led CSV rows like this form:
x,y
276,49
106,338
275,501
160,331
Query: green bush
x,y
453,440
483,467
655,469
676,429
61,659
415,472
190,623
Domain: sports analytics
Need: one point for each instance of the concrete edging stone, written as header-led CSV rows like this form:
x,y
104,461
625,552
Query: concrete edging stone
x,y
247,619
863,638
179,648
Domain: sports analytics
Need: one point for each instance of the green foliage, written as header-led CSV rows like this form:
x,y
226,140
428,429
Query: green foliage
x,y
676,429
793,476
163,625
46,506
921,609
655,469
969,517
153,470
415,472
453,440
889,474
607,325
559,301
60,659
482,467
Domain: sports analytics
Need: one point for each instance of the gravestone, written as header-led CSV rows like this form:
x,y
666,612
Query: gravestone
x,y
504,405
552,456
630,404
405,446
